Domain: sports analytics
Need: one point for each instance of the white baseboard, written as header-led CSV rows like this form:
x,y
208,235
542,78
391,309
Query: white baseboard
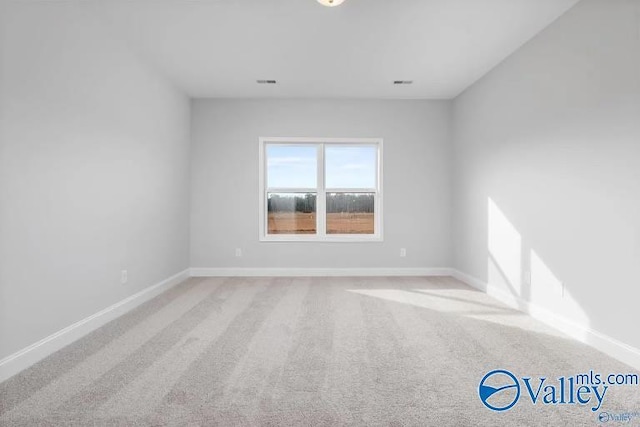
x,y
26,357
608,345
318,272
469,280
16,362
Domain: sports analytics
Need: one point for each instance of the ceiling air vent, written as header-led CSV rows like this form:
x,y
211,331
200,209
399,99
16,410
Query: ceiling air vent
x,y
402,82
266,82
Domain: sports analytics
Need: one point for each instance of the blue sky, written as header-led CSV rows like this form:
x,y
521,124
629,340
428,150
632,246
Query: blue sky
x,y
346,166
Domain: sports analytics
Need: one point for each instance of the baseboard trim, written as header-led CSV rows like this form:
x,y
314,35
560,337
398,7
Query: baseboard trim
x,y
606,344
16,362
317,272
22,359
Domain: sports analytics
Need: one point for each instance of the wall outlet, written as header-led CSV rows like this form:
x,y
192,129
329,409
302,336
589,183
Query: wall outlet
x,y
124,277
238,252
403,252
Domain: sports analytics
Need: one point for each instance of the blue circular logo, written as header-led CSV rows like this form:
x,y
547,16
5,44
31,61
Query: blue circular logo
x,y
496,392
603,417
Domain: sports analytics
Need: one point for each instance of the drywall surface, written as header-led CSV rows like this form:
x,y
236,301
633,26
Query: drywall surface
x,y
93,171
546,177
225,181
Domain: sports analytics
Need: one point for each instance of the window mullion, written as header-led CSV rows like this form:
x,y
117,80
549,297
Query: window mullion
x,y
351,190
291,190
321,200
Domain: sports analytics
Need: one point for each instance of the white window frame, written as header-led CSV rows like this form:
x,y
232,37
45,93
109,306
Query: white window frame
x,y
321,191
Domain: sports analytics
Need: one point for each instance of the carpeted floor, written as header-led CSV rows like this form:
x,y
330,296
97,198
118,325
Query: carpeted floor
x,y
307,351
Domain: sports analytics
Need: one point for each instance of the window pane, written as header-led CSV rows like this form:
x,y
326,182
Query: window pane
x,y
351,167
291,213
292,166
350,213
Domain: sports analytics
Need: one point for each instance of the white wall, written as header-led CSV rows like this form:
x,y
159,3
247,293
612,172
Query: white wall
x,y
545,174
93,171
547,170
224,192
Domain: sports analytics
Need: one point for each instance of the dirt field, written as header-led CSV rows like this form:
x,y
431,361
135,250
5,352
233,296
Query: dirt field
x,y
292,223
337,223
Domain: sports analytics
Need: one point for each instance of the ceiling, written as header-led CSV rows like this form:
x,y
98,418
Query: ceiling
x,y
216,48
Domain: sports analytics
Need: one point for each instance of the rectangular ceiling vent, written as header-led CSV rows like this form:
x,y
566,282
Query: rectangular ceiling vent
x,y
266,82
402,82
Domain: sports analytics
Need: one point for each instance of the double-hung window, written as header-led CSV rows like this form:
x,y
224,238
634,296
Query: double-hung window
x,y
320,189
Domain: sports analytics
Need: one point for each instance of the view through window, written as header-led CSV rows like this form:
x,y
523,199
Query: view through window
x,y
321,189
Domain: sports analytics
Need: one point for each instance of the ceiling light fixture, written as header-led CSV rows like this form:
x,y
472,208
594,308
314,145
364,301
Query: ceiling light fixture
x,y
330,3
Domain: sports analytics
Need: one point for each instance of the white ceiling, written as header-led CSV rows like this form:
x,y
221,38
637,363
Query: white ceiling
x,y
216,48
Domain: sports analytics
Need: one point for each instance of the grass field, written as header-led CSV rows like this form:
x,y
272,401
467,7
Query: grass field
x,y
305,223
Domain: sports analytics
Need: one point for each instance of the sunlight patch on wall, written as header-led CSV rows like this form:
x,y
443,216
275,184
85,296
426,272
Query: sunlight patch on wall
x,y
505,251
549,291
543,294
544,284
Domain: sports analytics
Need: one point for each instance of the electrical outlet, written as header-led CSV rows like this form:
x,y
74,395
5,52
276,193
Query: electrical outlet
x,y
124,277
238,252
403,252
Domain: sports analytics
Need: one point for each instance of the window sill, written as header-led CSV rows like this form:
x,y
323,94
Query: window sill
x,y
338,238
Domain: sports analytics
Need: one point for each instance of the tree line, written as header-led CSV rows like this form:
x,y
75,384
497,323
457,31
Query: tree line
x,y
336,203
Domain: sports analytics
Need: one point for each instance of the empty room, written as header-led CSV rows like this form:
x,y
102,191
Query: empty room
x,y
319,212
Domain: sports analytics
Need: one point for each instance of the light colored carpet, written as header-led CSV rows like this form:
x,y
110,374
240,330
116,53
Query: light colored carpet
x,y
306,351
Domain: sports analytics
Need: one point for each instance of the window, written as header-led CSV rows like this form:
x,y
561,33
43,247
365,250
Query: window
x,y
320,189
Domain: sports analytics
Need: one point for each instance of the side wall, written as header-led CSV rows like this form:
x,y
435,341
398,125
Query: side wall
x,y
224,192
547,173
93,171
